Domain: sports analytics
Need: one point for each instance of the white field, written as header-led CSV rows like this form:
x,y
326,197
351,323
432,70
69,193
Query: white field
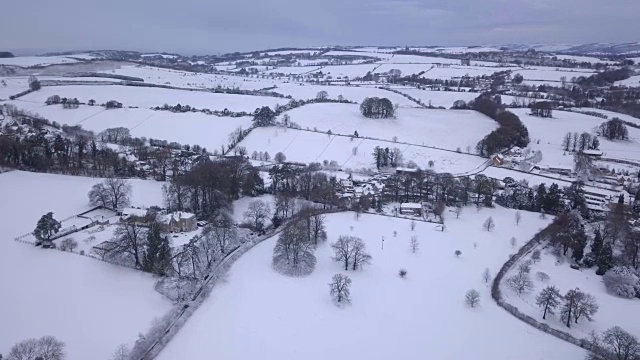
x,y
90,305
613,114
251,315
550,74
613,311
463,49
353,93
209,131
14,86
26,61
632,81
590,59
308,146
293,70
150,97
373,54
292,52
411,125
185,79
563,122
459,71
438,98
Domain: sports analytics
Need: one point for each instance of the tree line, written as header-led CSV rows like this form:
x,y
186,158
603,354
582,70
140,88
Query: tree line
x,y
511,131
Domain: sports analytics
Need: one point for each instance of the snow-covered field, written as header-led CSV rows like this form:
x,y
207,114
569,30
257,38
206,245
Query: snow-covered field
x,y
150,97
411,125
353,93
209,131
551,75
26,61
308,146
14,86
632,81
613,310
550,132
438,98
185,79
258,313
90,305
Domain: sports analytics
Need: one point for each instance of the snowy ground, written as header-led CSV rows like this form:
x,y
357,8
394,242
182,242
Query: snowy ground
x,y
411,125
438,98
352,93
613,311
90,305
308,146
550,75
150,97
422,316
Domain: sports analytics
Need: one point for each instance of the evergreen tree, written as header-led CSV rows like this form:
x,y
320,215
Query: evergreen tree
x,y
578,245
551,200
540,196
264,116
46,227
605,259
157,257
596,246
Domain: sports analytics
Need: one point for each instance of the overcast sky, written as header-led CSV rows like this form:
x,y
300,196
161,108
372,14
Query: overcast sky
x,y
209,27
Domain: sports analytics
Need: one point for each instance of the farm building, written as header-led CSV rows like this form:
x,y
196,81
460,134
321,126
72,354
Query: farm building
x,y
410,209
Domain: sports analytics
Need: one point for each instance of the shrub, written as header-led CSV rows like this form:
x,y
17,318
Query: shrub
x,y
622,281
402,273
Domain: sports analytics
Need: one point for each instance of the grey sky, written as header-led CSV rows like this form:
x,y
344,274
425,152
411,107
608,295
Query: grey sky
x,y
207,27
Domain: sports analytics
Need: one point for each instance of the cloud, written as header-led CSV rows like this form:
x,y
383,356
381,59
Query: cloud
x,y
205,27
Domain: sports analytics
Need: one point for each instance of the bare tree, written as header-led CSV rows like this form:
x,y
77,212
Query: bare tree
x,y
128,243
535,256
318,232
68,244
543,276
257,212
322,95
576,305
472,298
343,249
402,273
486,276
339,289
293,253
513,241
615,344
548,300
458,211
111,193
489,224
414,245
280,157
412,225
520,283
45,348
518,217
122,353
223,231
360,255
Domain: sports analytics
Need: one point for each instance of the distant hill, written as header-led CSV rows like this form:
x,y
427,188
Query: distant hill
x,y
6,54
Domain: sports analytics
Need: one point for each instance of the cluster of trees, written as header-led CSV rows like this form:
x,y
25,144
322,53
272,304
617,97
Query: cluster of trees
x,y
112,193
511,131
584,141
293,254
623,281
427,185
387,157
46,228
567,232
113,104
574,305
542,109
34,83
551,200
210,186
614,344
614,129
351,252
303,182
44,348
377,108
71,150
179,108
604,78
264,117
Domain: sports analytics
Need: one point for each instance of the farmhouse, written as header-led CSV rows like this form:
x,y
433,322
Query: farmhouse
x,y
410,209
178,222
596,154
497,160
